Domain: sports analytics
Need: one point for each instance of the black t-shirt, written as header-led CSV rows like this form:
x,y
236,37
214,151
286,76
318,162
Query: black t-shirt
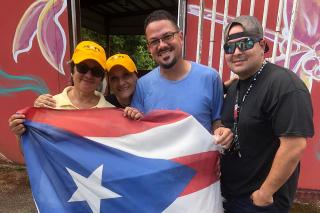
x,y
279,104
112,99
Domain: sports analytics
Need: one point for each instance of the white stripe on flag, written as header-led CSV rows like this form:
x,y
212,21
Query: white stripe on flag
x,y
207,200
185,137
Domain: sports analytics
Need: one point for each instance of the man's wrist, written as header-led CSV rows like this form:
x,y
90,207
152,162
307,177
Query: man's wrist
x,y
265,192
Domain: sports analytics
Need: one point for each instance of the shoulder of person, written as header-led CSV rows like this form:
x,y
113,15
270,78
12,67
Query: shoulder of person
x,y
285,79
149,75
148,78
204,69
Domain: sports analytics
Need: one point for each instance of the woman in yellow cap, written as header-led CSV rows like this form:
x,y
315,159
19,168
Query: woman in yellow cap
x,y
88,65
122,79
88,70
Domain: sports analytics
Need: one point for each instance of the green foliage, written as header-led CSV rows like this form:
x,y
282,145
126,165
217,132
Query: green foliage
x,y
87,34
133,45
136,47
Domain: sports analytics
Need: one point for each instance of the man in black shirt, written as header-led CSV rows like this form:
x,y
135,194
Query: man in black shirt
x,y
270,112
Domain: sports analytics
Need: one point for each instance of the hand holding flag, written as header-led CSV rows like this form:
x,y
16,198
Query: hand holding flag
x,y
98,161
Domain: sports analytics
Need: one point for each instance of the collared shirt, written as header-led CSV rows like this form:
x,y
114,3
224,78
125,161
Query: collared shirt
x,y
64,102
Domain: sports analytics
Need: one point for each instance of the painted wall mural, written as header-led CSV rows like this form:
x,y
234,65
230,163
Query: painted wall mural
x,y
33,57
41,19
12,84
34,50
304,57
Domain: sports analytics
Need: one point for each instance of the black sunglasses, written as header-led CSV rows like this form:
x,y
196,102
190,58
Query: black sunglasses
x,y
95,71
243,45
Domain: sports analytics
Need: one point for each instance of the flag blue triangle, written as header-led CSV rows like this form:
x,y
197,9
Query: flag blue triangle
x,y
145,184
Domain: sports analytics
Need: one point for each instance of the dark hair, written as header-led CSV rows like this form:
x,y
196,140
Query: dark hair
x,y
159,15
72,65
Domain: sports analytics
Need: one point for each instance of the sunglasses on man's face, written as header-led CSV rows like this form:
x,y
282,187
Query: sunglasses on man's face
x,y
95,71
243,45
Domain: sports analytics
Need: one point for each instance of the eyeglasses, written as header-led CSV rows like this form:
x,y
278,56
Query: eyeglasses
x,y
95,71
243,45
165,38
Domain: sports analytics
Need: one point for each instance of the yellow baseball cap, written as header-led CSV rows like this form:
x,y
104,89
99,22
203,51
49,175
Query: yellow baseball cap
x,y
89,50
121,60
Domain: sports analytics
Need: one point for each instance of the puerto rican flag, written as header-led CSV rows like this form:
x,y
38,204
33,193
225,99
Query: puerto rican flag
x,y
99,161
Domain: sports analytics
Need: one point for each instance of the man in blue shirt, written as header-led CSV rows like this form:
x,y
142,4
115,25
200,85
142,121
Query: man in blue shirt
x,y
178,84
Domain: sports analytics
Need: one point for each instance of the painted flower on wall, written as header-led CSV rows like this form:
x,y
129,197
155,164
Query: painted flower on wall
x,y
305,53
41,20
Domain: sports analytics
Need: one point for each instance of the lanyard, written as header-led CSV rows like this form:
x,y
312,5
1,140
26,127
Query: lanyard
x,y
237,109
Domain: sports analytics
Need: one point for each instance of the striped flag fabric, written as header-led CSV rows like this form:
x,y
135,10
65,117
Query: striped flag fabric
x,y
99,161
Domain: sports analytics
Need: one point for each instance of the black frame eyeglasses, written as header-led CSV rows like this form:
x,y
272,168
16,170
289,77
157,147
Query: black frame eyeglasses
x,y
95,71
243,45
165,38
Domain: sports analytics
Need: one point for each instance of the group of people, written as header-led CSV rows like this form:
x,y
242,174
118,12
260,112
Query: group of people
x,y
262,121
88,69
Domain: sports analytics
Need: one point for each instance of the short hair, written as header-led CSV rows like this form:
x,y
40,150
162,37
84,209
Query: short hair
x,y
159,15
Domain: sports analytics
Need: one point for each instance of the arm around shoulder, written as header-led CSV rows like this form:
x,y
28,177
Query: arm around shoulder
x,y
45,100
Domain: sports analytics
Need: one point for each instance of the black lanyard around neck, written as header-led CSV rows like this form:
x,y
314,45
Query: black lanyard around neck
x,y
238,105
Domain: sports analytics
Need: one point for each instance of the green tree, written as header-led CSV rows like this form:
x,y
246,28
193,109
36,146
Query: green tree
x,y
136,47
133,45
87,34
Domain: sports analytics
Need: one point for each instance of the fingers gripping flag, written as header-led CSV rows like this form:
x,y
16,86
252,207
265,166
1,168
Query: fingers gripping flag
x,y
98,161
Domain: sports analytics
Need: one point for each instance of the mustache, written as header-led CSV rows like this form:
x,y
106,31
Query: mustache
x,y
239,58
89,79
164,50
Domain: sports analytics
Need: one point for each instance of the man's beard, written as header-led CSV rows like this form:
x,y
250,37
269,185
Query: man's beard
x,y
169,65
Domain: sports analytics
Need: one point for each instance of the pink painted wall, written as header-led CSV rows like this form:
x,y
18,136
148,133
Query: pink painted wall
x,y
41,48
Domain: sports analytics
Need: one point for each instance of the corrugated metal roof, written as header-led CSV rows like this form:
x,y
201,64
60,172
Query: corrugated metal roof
x,y
121,17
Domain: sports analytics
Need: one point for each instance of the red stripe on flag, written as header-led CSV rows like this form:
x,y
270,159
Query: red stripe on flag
x,y
207,169
103,122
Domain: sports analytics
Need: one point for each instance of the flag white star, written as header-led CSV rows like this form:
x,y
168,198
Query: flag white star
x,y
90,189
